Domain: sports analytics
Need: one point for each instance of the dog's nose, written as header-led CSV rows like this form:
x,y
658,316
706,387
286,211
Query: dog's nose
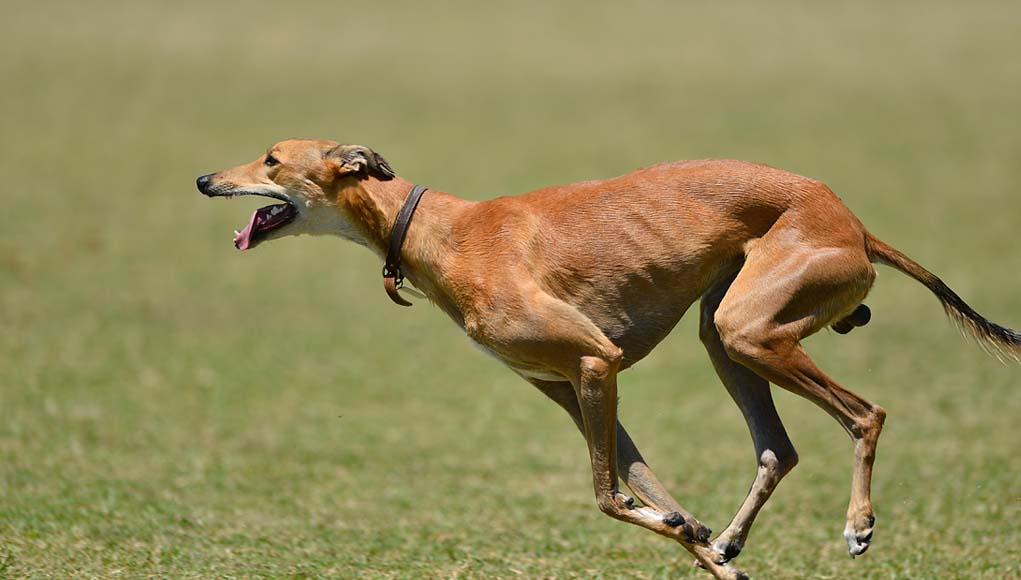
x,y
203,182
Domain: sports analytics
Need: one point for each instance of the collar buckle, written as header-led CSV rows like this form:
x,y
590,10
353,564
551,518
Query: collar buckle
x,y
393,279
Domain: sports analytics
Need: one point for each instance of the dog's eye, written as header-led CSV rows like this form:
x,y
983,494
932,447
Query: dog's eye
x,y
271,161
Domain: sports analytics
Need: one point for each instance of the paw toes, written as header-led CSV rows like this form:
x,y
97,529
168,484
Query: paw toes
x,y
728,552
673,519
857,549
730,573
858,542
689,533
725,550
696,533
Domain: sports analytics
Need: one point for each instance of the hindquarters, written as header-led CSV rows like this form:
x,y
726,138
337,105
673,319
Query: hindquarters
x,y
798,279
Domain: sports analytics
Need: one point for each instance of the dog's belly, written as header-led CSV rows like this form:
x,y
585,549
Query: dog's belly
x,y
637,310
639,330
636,290
636,336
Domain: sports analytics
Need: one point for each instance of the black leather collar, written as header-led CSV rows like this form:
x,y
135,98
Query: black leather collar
x,y
393,280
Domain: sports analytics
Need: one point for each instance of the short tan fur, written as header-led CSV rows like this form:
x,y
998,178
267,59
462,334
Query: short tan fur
x,y
569,285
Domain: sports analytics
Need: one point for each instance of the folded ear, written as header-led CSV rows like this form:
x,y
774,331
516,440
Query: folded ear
x,y
360,160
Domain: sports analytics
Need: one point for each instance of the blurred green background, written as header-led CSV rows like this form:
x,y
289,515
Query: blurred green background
x,y
171,408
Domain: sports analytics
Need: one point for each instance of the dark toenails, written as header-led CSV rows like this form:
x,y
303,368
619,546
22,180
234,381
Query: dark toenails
x,y
697,533
730,551
625,499
689,533
673,519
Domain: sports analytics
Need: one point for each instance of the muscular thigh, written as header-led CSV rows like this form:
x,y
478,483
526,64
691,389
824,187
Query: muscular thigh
x,y
795,286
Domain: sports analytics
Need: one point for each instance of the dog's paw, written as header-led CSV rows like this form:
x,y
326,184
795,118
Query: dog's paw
x,y
859,535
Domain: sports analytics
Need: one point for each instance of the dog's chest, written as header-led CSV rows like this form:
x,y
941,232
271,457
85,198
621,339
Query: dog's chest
x,y
526,371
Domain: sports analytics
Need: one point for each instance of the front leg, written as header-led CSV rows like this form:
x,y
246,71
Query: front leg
x,y
542,333
597,397
631,466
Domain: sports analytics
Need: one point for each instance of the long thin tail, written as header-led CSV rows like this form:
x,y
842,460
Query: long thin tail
x,y
999,340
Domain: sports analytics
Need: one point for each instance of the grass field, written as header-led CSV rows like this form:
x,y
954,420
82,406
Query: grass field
x,y
170,408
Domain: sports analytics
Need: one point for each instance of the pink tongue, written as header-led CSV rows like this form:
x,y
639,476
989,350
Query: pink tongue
x,y
243,240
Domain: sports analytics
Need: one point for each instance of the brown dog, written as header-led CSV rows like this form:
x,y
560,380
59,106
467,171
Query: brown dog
x,y
570,285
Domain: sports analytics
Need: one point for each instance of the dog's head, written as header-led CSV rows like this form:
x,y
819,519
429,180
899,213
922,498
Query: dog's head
x,y
306,176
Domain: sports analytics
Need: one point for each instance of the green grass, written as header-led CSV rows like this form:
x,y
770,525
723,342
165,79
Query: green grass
x,y
170,408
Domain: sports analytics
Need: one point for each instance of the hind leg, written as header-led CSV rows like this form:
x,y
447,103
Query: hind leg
x,y
786,291
774,451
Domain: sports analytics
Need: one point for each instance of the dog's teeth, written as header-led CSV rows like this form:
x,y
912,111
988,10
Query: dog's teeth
x,y
237,233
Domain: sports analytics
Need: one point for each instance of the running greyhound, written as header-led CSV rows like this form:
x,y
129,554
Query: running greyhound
x,y
570,285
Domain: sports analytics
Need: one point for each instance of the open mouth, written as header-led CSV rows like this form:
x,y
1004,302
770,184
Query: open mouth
x,y
264,220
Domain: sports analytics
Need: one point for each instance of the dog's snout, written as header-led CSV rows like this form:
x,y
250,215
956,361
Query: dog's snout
x,y
203,183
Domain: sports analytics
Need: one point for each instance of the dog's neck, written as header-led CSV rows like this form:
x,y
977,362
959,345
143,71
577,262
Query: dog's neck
x,y
374,204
